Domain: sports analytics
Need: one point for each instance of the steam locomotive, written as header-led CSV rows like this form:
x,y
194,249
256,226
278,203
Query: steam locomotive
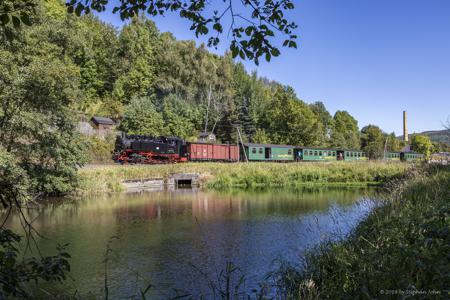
x,y
157,150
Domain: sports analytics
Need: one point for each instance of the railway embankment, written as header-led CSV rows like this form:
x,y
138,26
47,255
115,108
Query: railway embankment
x,y
400,251
110,178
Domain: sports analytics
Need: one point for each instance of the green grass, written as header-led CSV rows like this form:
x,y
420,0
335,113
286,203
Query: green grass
x,y
402,246
108,178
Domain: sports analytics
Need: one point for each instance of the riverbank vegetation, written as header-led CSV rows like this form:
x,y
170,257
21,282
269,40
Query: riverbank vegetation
x,y
400,250
97,179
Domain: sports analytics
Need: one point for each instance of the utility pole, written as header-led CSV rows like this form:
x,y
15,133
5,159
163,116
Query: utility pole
x,y
242,143
237,143
207,108
385,149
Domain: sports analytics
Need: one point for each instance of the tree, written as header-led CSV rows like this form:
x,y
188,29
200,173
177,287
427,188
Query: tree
x,y
141,117
345,131
289,120
252,22
37,123
446,126
178,117
14,13
421,144
393,144
261,137
40,150
372,141
325,118
15,271
139,42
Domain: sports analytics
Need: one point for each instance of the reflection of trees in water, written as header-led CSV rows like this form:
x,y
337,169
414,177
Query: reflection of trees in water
x,y
107,208
180,238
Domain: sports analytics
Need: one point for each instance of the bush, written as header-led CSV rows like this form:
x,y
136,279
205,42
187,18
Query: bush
x,y
100,150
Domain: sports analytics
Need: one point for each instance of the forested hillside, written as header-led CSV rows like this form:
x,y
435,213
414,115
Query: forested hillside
x,y
65,68
155,84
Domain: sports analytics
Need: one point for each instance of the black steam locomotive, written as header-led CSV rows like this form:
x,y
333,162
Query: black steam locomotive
x,y
148,149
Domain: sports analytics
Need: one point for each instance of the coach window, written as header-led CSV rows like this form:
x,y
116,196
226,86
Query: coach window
x,y
315,153
325,153
254,150
260,151
320,153
290,151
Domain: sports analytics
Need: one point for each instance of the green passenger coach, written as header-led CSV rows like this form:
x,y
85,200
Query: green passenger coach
x,y
392,156
354,155
268,152
317,154
411,156
280,153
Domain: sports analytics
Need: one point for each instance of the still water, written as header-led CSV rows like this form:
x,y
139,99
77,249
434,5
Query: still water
x,y
179,241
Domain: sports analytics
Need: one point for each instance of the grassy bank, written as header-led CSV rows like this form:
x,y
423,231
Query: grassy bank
x,y
400,250
246,175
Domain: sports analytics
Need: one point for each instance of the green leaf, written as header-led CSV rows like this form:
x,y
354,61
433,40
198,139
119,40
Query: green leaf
x,y
218,27
234,50
25,19
268,57
242,54
4,19
16,21
275,52
79,9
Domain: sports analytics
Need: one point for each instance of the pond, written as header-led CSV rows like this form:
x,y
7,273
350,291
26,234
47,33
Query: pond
x,y
181,241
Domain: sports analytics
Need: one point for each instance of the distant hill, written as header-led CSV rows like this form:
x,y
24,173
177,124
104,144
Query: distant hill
x,y
442,136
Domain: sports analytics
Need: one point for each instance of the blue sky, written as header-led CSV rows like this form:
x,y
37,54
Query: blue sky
x,y
372,58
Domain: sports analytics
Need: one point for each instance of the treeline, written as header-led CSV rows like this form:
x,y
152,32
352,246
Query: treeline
x,y
63,68
155,84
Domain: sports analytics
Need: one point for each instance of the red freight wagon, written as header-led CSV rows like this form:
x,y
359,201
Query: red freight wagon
x,y
213,152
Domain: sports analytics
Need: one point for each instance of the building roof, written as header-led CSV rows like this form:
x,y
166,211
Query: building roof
x,y
407,148
102,120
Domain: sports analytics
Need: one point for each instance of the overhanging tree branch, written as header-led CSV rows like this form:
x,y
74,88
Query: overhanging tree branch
x,y
251,38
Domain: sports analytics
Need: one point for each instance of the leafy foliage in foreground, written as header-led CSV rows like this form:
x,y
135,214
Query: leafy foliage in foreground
x,y
16,271
403,245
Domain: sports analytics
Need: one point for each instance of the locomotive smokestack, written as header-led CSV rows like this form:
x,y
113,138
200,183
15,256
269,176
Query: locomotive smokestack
x,y
405,129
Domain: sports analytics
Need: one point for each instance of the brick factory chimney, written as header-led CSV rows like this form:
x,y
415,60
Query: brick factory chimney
x,y
405,129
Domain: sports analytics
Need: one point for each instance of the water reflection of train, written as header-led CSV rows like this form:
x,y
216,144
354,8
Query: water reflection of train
x,y
147,149
203,205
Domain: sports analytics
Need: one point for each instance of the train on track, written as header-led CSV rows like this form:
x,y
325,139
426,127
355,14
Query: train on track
x,y
158,150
